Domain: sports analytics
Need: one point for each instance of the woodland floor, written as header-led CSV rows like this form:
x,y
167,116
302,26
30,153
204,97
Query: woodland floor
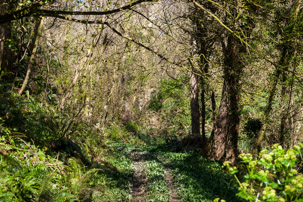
x,y
140,181
162,174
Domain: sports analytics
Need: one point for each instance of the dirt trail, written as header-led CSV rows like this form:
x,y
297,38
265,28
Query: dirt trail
x,y
169,179
139,181
173,195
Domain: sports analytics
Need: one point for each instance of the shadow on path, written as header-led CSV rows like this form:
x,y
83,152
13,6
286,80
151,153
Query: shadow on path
x,y
190,177
199,179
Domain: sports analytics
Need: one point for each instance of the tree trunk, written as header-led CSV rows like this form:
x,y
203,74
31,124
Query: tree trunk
x,y
194,103
284,108
286,49
268,108
284,62
286,100
228,118
6,55
202,46
203,64
37,34
203,108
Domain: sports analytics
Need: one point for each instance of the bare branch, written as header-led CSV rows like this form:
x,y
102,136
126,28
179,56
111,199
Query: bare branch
x,y
35,10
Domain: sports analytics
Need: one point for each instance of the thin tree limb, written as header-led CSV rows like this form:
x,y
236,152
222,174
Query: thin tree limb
x,y
37,34
35,10
120,34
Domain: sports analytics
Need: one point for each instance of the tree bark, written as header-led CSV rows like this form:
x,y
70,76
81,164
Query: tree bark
x,y
203,108
203,65
213,108
202,46
287,52
287,79
194,103
6,55
286,100
34,10
37,34
228,118
268,108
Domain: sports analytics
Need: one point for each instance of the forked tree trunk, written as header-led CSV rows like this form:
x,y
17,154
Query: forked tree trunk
x,y
225,138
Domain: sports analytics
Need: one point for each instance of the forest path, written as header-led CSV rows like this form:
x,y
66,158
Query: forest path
x,y
173,194
149,170
140,180
161,174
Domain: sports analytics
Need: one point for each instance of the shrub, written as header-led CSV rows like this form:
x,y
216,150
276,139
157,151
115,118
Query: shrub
x,y
28,174
272,177
252,127
132,127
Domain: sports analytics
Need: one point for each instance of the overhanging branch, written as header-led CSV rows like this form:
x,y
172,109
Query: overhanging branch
x,y
35,10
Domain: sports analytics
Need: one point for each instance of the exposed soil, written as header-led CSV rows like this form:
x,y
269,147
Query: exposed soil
x,y
173,195
139,181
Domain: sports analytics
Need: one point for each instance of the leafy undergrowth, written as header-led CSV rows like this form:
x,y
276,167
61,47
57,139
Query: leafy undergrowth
x,y
116,180
28,174
198,179
157,187
194,177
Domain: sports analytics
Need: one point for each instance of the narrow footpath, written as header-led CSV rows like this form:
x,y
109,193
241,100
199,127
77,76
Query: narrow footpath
x,y
141,181
173,194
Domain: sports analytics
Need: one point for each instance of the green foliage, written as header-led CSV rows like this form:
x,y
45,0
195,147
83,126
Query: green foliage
x,y
28,174
273,176
156,102
198,179
115,132
168,88
171,103
132,127
38,121
157,187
